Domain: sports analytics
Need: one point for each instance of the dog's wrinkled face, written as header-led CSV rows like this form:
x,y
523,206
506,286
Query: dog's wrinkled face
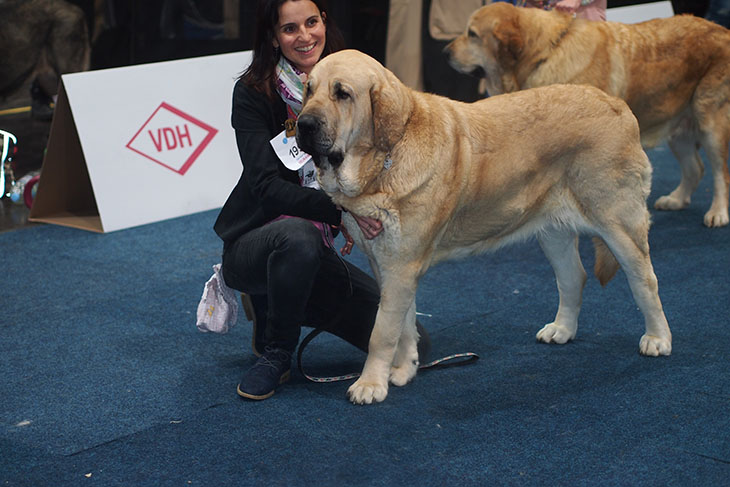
x,y
490,43
336,125
328,124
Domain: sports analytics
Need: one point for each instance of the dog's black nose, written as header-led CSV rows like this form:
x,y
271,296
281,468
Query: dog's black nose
x,y
307,124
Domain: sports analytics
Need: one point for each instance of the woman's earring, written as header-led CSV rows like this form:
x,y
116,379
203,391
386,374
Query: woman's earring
x,y
276,51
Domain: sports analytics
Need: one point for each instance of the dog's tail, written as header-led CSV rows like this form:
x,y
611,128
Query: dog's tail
x,y
606,263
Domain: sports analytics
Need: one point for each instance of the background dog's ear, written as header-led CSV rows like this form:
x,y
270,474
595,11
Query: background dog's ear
x,y
390,112
507,34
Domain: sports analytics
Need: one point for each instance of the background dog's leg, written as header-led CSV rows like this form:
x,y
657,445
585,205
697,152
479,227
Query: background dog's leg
x,y
397,296
561,249
631,249
711,106
405,363
715,143
684,148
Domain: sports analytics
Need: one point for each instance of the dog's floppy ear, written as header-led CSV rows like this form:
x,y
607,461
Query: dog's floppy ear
x,y
508,36
390,111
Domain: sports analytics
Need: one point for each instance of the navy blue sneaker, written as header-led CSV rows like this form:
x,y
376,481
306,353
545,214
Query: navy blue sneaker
x,y
271,369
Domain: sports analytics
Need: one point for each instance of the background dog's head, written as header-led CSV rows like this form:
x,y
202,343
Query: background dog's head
x,y
490,46
501,40
353,108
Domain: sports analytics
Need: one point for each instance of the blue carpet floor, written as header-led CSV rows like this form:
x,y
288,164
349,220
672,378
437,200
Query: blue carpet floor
x,y
106,381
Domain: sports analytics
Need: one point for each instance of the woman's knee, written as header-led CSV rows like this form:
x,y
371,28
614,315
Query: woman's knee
x,y
302,238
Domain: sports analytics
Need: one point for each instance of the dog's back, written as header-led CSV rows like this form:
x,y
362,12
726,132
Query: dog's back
x,y
657,66
524,159
674,73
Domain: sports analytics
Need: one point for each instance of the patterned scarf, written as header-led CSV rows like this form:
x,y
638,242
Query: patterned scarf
x,y
289,84
291,89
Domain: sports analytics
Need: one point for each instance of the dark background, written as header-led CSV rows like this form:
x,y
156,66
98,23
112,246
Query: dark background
x,y
129,32
142,31
138,32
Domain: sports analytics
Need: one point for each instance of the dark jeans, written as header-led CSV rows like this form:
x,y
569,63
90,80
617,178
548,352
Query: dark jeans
x,y
286,266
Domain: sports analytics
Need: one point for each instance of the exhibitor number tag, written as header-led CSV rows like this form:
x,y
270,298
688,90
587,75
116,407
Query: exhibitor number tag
x,y
287,150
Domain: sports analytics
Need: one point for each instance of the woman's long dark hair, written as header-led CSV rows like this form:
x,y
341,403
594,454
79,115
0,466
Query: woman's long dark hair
x,y
261,73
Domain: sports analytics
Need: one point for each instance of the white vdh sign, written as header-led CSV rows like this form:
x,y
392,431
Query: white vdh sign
x,y
140,144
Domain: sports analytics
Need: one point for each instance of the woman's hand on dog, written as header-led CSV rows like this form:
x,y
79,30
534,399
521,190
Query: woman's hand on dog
x,y
370,227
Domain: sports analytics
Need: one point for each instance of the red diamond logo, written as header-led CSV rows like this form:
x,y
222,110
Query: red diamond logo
x,y
172,138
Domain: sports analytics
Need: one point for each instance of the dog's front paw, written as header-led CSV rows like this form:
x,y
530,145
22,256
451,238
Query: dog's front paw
x,y
402,375
670,202
655,346
367,392
553,333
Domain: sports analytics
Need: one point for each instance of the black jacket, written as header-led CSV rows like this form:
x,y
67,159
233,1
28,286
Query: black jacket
x,y
266,188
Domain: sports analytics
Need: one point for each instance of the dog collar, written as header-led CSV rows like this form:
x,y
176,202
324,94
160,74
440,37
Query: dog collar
x,y
388,161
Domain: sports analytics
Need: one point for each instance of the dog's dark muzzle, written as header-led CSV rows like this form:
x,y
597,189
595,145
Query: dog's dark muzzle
x,y
309,128
311,138
478,72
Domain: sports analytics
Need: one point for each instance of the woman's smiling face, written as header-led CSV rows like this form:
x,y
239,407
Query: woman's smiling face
x,y
300,33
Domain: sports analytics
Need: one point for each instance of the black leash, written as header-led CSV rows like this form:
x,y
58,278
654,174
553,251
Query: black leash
x,y
448,361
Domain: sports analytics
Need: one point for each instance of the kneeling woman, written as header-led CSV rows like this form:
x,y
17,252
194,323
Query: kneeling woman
x,y
277,226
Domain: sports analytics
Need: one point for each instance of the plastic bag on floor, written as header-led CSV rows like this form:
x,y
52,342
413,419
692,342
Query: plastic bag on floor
x,y
218,308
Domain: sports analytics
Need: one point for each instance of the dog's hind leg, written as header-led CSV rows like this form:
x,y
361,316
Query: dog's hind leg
x,y
684,148
631,248
561,249
715,139
711,112
405,363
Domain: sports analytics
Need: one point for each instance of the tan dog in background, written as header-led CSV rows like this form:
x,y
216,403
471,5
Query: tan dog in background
x,y
674,73
450,179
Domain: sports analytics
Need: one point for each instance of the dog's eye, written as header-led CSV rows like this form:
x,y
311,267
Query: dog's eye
x,y
473,34
340,92
308,89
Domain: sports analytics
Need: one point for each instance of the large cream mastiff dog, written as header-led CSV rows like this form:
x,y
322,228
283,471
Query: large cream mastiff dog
x,y
449,179
674,73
